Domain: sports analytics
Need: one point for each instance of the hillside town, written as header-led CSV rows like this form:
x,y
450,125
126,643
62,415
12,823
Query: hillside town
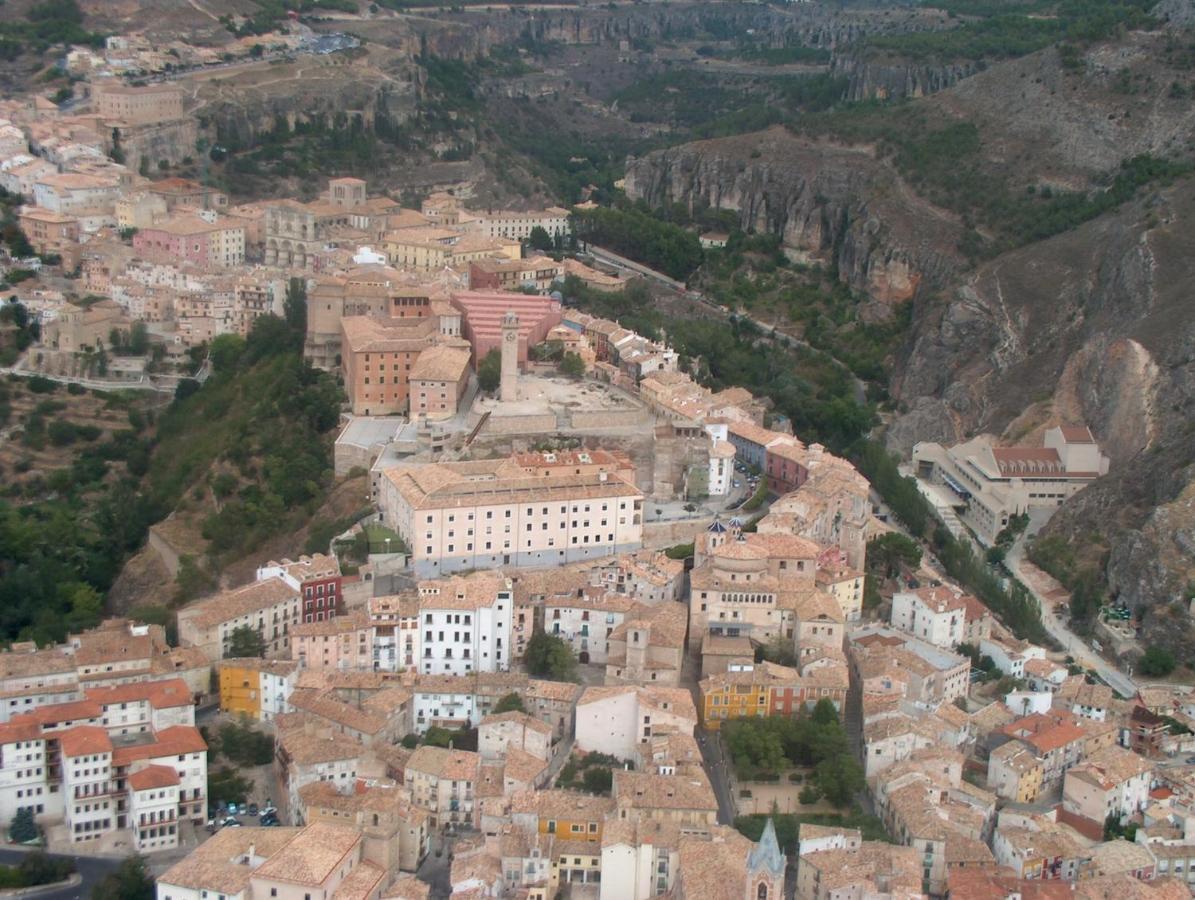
x,y
603,630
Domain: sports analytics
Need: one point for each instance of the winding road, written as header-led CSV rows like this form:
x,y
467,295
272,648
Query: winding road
x,y
92,869
1071,642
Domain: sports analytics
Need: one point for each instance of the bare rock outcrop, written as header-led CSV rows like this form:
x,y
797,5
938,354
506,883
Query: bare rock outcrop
x,y
832,205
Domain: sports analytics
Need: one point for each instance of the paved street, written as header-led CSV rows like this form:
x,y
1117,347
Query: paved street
x,y
91,868
1073,644
716,766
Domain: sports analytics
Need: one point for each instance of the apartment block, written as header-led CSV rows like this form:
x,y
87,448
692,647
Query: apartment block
x,y
934,614
490,513
465,624
443,782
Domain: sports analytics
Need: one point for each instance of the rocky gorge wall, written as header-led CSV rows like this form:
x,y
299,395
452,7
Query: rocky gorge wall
x,y
835,206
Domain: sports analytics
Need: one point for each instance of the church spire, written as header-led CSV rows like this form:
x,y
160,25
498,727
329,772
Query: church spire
x,y
766,854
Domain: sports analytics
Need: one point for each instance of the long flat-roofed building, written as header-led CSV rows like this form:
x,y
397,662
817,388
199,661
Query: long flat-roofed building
x,y
987,485
487,513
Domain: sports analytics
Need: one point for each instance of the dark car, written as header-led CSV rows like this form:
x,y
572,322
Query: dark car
x,y
252,809
269,821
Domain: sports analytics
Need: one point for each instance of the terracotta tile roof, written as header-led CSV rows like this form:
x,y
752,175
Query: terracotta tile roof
x,y
440,762
715,869
440,363
84,740
213,866
306,749
174,741
311,856
647,790
159,694
561,804
1110,767
22,729
407,887
872,869
522,767
360,883
239,602
152,777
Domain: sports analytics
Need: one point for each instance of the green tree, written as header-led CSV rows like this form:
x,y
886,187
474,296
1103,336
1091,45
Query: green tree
x,y
512,702
888,552
548,656
294,308
246,641
227,786
598,780
138,342
1156,662
131,881
572,365
540,239
839,778
245,745
225,352
22,828
824,712
489,371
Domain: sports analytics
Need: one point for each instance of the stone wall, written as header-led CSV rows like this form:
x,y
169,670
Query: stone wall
x,y
659,535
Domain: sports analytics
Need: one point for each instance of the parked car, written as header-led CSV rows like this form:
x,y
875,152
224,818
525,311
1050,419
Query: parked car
x,y
252,809
269,810
230,822
232,809
268,821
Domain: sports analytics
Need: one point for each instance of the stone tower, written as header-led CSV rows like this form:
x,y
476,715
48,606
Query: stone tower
x,y
508,390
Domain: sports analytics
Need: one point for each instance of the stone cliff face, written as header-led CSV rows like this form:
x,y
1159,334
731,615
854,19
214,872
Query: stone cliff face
x,y
242,107
876,80
1094,326
831,205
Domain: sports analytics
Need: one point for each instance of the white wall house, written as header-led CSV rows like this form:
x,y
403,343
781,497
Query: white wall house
x,y
937,615
465,625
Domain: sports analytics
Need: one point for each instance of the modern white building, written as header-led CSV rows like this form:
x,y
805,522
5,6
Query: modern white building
x,y
934,614
465,624
22,770
987,485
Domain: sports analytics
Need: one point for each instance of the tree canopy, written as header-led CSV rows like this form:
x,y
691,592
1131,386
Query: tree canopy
x,y
246,641
489,371
548,656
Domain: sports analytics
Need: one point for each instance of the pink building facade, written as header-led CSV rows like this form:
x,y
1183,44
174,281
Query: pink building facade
x,y
481,319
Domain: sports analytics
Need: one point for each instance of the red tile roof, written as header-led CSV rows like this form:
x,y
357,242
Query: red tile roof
x,y
153,777
172,741
84,740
